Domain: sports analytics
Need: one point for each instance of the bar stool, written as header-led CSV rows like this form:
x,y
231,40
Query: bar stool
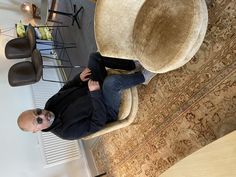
x,y
23,47
30,72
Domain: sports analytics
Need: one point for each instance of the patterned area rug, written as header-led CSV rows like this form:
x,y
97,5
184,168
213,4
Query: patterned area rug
x,y
180,111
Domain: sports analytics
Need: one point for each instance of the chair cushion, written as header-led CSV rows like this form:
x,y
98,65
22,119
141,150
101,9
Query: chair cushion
x,y
114,21
21,74
17,48
162,35
43,33
126,97
197,44
119,123
20,29
126,103
177,25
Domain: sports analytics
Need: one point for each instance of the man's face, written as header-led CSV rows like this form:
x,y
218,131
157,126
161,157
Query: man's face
x,y
35,120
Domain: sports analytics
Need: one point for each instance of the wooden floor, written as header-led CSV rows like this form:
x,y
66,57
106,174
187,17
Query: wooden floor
x,y
83,37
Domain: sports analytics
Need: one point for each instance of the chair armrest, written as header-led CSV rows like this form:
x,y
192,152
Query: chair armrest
x,y
119,123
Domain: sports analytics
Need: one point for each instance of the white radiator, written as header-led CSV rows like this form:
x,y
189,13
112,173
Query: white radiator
x,y
53,149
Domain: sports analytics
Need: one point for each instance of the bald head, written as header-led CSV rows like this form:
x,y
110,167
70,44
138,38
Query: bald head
x,y
23,120
27,120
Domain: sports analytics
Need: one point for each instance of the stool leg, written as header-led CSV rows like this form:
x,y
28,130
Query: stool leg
x,y
62,66
59,67
53,48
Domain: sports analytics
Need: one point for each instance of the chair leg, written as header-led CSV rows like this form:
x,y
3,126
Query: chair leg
x,y
47,80
54,42
52,26
52,58
62,66
57,43
64,43
54,48
59,67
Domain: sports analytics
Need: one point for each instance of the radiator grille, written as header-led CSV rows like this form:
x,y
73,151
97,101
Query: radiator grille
x,y
53,149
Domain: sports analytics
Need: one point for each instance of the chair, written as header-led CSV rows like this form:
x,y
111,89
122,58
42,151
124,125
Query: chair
x,y
26,72
127,112
163,35
30,72
23,47
137,30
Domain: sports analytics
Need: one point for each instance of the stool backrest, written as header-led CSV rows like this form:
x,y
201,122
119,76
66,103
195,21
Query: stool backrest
x,y
31,36
38,64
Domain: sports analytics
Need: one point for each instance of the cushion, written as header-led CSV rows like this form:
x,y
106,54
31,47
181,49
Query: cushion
x,y
177,25
126,103
126,97
43,33
20,29
38,34
162,35
113,25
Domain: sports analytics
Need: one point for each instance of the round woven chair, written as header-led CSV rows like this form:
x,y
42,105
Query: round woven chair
x,y
127,111
163,35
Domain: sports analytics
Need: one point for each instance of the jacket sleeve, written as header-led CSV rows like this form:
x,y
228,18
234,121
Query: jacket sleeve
x,y
99,116
75,82
75,131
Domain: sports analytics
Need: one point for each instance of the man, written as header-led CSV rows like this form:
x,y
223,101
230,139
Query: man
x,y
86,103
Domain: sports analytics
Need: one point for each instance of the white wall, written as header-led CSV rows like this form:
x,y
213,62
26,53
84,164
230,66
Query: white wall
x,y
19,152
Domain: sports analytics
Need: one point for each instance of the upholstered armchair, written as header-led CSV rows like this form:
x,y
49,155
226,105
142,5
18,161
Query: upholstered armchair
x,y
127,112
163,35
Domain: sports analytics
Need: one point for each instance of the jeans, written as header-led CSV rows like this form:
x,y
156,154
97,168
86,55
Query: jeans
x,y
113,85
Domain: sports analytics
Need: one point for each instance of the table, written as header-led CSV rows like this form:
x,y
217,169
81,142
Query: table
x,y
46,12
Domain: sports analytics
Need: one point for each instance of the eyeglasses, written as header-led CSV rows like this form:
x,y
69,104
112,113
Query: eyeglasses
x,y
38,112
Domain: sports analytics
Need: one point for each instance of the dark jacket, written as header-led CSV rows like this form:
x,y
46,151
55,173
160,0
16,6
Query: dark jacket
x,y
78,112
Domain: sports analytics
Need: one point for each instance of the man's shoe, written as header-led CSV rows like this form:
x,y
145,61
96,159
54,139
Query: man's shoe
x,y
138,67
147,76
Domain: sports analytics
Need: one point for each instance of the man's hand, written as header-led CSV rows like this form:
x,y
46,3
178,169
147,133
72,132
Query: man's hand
x,y
93,85
84,76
